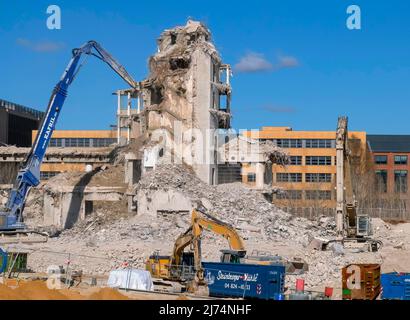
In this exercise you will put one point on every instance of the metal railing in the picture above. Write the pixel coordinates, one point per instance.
(394, 214)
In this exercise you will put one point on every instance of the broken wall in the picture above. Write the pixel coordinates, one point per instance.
(183, 92)
(63, 207)
(69, 197)
(8, 172)
(161, 202)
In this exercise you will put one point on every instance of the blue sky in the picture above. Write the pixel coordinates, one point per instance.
(314, 68)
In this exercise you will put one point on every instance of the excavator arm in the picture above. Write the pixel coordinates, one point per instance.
(346, 205)
(342, 169)
(170, 267)
(184, 240)
(210, 223)
(202, 220)
(350, 225)
(11, 218)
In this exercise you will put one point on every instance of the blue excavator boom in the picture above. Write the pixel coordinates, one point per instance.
(11, 217)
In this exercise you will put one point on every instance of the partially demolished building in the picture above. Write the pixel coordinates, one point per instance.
(184, 100)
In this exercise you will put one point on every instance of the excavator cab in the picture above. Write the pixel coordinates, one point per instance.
(351, 217)
(187, 268)
(232, 256)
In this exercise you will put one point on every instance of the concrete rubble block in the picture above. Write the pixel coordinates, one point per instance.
(337, 248)
(399, 245)
(156, 202)
(248, 227)
(317, 243)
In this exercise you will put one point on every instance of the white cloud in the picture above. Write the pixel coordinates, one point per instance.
(253, 62)
(256, 62)
(287, 62)
(40, 46)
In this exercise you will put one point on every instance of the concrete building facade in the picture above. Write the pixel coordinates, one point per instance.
(98, 142)
(310, 178)
(391, 167)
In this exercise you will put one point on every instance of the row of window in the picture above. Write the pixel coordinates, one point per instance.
(319, 143)
(82, 142)
(295, 160)
(308, 195)
(400, 181)
(305, 143)
(309, 177)
(318, 161)
(289, 177)
(383, 159)
(311, 160)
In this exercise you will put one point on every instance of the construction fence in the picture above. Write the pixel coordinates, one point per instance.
(312, 213)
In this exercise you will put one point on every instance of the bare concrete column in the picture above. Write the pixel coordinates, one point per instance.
(132, 164)
(118, 117)
(260, 173)
(129, 115)
(340, 192)
(132, 176)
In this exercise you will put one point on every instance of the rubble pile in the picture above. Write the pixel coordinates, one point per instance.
(108, 239)
(261, 224)
(233, 203)
(33, 207)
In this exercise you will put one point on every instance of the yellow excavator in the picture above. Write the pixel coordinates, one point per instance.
(187, 266)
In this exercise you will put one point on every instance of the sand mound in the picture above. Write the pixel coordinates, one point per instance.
(107, 294)
(38, 290)
(72, 294)
(7, 293)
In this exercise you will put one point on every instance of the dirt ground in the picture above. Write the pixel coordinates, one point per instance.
(38, 290)
(101, 256)
(111, 238)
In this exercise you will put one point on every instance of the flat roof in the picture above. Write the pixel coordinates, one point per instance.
(288, 133)
(18, 108)
(389, 143)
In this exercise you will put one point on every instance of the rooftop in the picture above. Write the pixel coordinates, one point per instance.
(389, 143)
(11, 106)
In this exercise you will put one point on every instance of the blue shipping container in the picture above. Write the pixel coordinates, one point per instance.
(245, 280)
(395, 286)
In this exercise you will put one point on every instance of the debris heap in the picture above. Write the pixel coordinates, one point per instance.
(233, 203)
